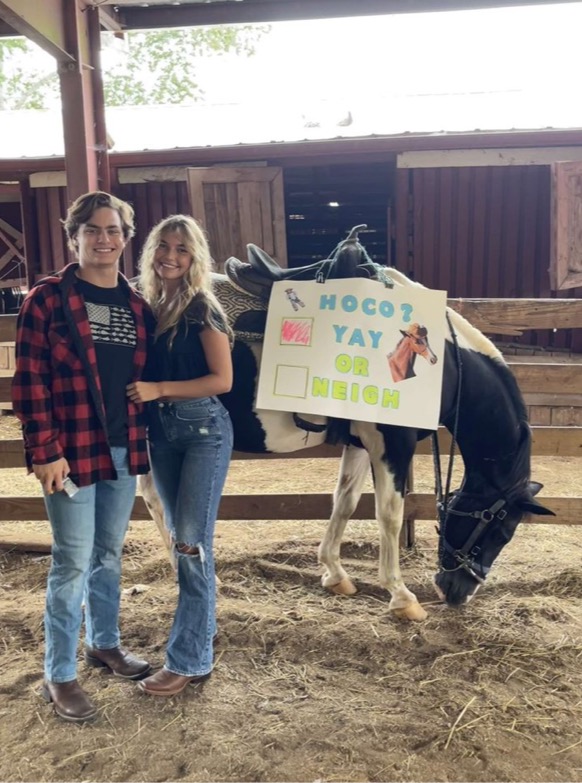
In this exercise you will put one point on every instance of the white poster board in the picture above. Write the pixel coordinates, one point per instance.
(354, 349)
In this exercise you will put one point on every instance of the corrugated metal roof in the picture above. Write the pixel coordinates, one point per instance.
(139, 128)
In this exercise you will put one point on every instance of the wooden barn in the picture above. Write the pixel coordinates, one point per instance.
(480, 214)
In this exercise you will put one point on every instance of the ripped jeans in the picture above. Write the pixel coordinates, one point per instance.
(190, 447)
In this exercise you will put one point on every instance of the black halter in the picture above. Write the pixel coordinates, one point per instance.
(466, 556)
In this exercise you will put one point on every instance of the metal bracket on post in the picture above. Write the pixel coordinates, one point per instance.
(69, 67)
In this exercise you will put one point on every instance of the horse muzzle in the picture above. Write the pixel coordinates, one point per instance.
(455, 588)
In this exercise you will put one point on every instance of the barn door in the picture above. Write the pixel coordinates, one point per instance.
(237, 206)
(566, 234)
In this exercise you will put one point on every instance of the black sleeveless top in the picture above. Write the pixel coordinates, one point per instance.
(184, 359)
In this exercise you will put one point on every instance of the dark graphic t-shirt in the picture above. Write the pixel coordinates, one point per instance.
(114, 336)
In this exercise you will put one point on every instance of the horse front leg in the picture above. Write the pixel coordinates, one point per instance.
(389, 514)
(354, 467)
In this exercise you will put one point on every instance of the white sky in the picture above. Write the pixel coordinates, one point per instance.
(531, 47)
(495, 69)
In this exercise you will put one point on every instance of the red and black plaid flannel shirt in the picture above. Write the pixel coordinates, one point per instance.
(56, 391)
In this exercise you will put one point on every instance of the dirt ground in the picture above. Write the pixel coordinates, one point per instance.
(309, 686)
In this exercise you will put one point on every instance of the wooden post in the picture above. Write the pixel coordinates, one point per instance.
(407, 534)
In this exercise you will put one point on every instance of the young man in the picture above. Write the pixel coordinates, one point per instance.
(81, 338)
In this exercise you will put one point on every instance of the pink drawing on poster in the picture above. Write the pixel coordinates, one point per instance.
(296, 331)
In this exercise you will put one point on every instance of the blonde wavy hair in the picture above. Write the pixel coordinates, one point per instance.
(195, 292)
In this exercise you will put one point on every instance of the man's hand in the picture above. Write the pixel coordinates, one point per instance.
(51, 474)
(142, 391)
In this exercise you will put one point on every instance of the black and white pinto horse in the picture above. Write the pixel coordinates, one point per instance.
(480, 404)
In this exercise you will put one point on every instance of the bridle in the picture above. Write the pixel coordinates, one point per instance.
(465, 556)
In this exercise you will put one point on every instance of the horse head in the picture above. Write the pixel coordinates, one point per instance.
(477, 521)
(418, 339)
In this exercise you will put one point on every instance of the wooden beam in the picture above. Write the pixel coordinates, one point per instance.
(490, 315)
(554, 400)
(78, 104)
(42, 22)
(547, 442)
(305, 506)
(7, 328)
(515, 316)
(548, 378)
(12, 247)
(98, 91)
(310, 152)
(6, 31)
(11, 453)
(29, 221)
(25, 545)
(14, 282)
(253, 11)
(109, 20)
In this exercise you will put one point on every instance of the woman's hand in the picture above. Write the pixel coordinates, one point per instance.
(142, 391)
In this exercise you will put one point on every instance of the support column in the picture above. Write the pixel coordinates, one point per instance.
(94, 17)
(69, 30)
(77, 95)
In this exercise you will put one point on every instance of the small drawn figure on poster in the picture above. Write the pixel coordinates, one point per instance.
(293, 297)
(413, 343)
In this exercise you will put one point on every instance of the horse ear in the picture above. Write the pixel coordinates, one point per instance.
(531, 506)
(403, 333)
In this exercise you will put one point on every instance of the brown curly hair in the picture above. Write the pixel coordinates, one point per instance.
(84, 206)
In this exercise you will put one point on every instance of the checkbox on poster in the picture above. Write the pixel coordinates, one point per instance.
(291, 381)
(296, 331)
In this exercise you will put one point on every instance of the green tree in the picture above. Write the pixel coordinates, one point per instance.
(22, 85)
(160, 66)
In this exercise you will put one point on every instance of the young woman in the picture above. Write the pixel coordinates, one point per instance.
(81, 338)
(190, 433)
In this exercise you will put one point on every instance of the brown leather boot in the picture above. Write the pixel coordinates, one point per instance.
(118, 661)
(69, 700)
(166, 683)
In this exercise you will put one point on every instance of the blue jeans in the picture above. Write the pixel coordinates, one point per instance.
(88, 533)
(190, 448)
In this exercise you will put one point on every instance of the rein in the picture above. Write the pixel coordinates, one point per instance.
(443, 498)
(467, 554)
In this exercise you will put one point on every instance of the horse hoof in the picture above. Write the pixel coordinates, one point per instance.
(411, 612)
(345, 587)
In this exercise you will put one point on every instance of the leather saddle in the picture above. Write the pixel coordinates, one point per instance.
(260, 272)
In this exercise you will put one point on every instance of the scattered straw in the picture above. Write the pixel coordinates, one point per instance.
(456, 723)
(563, 750)
(102, 750)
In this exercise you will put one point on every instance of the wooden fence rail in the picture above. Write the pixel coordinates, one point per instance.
(556, 381)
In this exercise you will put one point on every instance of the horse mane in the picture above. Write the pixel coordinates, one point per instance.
(396, 347)
(468, 335)
(514, 391)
